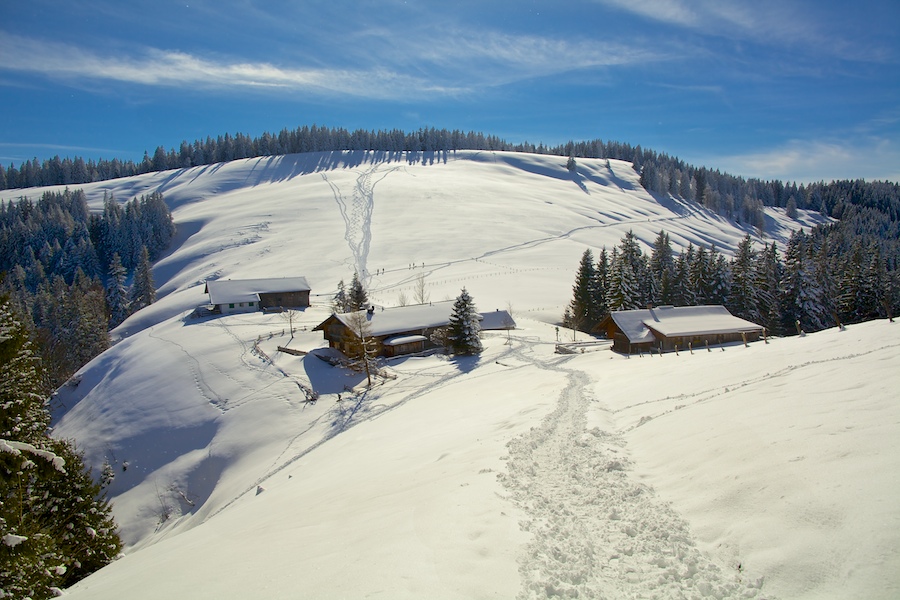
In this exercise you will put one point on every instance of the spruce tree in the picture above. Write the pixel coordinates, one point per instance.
(143, 292)
(340, 303)
(116, 292)
(801, 292)
(623, 292)
(719, 278)
(358, 299)
(463, 332)
(54, 526)
(601, 283)
(582, 308)
(744, 299)
(662, 269)
(769, 271)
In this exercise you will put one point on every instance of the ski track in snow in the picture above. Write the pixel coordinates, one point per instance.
(706, 395)
(595, 532)
(357, 213)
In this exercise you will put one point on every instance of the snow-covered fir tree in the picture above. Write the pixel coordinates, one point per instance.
(116, 291)
(55, 529)
(143, 292)
(463, 331)
(743, 301)
(801, 292)
(357, 298)
(600, 283)
(582, 310)
(769, 271)
(340, 303)
(623, 292)
(662, 270)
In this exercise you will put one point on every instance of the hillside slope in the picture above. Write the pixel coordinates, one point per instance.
(520, 471)
(510, 226)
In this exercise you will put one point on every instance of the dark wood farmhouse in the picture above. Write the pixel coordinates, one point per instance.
(666, 328)
(400, 330)
(249, 295)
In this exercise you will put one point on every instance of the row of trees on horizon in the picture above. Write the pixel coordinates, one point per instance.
(735, 197)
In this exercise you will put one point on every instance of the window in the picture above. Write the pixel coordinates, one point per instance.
(249, 304)
(231, 305)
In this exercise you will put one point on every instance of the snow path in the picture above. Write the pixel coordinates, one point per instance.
(597, 533)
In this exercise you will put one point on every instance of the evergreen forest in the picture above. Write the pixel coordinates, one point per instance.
(823, 278)
(55, 525)
(67, 271)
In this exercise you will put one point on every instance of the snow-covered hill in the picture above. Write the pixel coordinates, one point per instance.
(768, 471)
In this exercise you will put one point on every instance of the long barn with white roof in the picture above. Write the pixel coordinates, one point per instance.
(249, 295)
(667, 328)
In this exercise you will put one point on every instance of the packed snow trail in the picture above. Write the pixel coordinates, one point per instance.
(595, 532)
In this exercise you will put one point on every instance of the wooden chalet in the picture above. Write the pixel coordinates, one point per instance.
(248, 295)
(400, 330)
(667, 328)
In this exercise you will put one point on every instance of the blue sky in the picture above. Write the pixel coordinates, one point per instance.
(790, 89)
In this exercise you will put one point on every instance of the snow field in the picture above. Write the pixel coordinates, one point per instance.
(521, 472)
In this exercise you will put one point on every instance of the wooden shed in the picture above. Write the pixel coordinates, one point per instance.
(402, 329)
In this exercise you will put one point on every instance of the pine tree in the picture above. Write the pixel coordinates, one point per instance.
(358, 299)
(340, 303)
(143, 292)
(699, 277)
(55, 527)
(682, 294)
(768, 280)
(463, 332)
(622, 292)
(662, 270)
(582, 308)
(744, 299)
(116, 292)
(719, 278)
(801, 292)
(600, 284)
(632, 257)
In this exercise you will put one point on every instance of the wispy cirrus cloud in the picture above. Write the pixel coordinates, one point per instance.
(168, 68)
(442, 62)
(806, 27)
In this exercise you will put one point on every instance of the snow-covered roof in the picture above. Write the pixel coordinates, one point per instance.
(401, 319)
(223, 291)
(631, 322)
(680, 321)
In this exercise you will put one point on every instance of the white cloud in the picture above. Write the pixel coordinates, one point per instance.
(444, 62)
(806, 161)
(154, 67)
(809, 28)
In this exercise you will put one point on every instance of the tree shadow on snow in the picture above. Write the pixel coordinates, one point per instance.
(465, 364)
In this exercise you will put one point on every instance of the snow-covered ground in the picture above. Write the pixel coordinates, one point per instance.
(762, 471)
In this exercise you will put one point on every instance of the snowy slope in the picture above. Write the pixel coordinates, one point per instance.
(521, 471)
